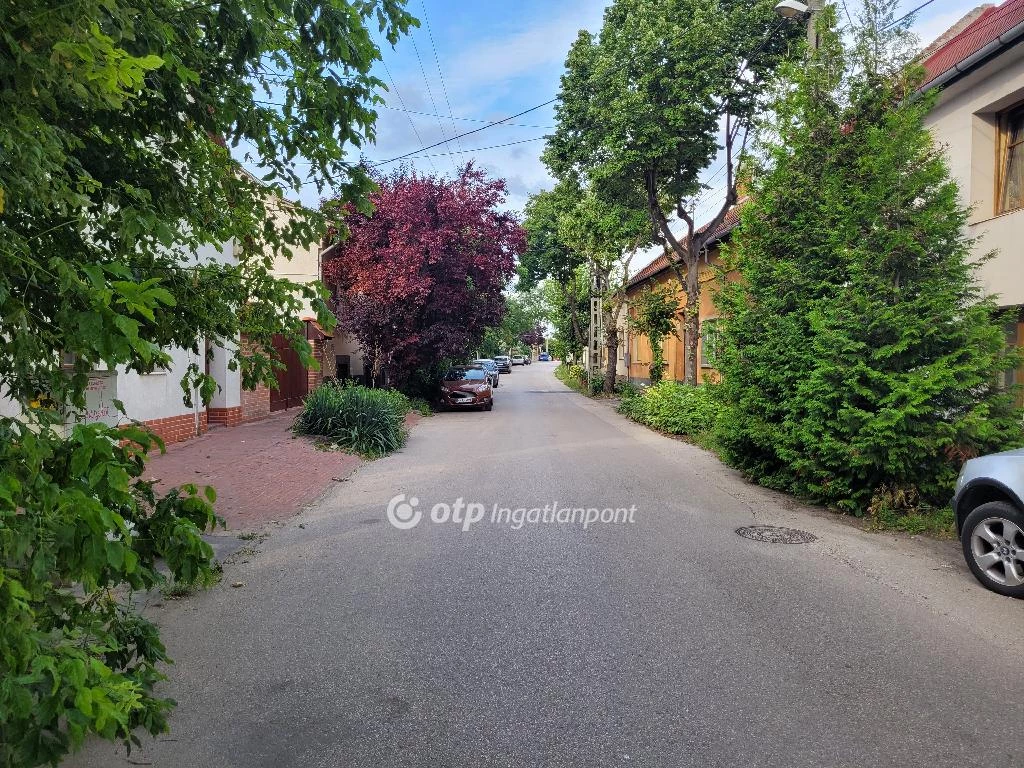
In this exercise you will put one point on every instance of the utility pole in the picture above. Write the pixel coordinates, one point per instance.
(814, 8)
(597, 287)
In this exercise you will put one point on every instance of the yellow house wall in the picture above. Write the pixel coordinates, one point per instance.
(675, 350)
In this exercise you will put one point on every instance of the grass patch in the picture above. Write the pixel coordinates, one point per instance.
(179, 590)
(901, 509)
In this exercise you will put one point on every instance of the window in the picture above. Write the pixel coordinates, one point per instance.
(342, 367)
(1011, 161)
(709, 342)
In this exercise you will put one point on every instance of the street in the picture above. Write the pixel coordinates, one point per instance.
(664, 640)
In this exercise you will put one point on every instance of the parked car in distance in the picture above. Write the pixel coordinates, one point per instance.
(990, 520)
(528, 358)
(504, 363)
(543, 357)
(518, 360)
(493, 375)
(467, 386)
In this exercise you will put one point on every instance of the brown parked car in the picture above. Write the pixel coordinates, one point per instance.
(467, 386)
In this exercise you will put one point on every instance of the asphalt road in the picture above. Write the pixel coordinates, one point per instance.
(665, 641)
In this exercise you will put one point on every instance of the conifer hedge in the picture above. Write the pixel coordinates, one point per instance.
(860, 357)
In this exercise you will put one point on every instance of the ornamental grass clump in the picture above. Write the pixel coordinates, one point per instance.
(369, 422)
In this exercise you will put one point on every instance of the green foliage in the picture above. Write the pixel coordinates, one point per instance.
(369, 422)
(525, 310)
(641, 112)
(901, 509)
(568, 311)
(858, 353)
(654, 316)
(547, 254)
(115, 118)
(77, 511)
(674, 407)
(627, 389)
(420, 406)
(574, 376)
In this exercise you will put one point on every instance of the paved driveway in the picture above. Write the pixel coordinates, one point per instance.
(666, 641)
(261, 471)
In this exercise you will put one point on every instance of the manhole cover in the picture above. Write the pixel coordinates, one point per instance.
(773, 534)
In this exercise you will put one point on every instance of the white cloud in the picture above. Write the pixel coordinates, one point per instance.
(532, 48)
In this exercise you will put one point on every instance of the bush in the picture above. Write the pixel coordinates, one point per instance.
(627, 389)
(574, 376)
(674, 407)
(366, 421)
(861, 359)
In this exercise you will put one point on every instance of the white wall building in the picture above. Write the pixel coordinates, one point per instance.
(978, 67)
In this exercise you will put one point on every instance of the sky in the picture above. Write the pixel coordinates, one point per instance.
(470, 63)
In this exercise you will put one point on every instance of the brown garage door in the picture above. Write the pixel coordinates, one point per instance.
(291, 381)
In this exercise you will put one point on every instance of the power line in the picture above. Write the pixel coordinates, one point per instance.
(402, 101)
(906, 15)
(467, 133)
(430, 95)
(478, 149)
(440, 74)
(393, 108)
(464, 119)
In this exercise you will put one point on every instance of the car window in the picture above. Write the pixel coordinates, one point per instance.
(470, 374)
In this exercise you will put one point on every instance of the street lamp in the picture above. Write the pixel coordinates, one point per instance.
(791, 9)
(795, 9)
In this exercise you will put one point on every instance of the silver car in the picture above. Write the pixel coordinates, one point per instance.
(990, 520)
(492, 370)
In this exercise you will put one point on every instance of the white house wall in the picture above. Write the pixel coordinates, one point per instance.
(964, 122)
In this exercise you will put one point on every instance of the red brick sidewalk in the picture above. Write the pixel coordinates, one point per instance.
(261, 472)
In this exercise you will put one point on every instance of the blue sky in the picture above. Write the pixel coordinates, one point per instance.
(497, 58)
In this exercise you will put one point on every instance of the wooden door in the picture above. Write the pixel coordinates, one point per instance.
(292, 383)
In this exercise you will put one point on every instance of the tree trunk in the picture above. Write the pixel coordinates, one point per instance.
(684, 254)
(692, 325)
(369, 364)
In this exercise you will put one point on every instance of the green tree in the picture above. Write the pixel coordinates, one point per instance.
(569, 228)
(665, 88)
(608, 234)
(549, 261)
(654, 316)
(568, 310)
(524, 311)
(115, 119)
(860, 359)
(547, 255)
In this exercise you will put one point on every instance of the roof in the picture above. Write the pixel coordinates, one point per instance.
(660, 264)
(989, 26)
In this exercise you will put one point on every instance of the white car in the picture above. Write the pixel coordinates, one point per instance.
(518, 360)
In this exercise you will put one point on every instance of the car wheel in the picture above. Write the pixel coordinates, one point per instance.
(993, 543)
(490, 404)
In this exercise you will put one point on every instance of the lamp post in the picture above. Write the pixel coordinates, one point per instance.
(809, 10)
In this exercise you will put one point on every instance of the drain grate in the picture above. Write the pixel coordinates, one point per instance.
(773, 534)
